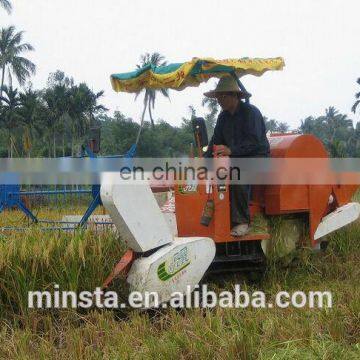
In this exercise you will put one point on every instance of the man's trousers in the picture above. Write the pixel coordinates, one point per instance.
(239, 204)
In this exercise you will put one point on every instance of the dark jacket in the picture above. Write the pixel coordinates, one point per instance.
(243, 132)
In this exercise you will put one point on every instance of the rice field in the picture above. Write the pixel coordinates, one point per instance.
(81, 260)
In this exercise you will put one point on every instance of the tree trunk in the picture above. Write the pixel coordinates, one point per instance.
(11, 147)
(54, 144)
(141, 124)
(8, 144)
(151, 118)
(72, 145)
(49, 144)
(63, 144)
(2, 81)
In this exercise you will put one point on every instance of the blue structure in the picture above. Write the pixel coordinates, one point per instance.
(96, 188)
(10, 195)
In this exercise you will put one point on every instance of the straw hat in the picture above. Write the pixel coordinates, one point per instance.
(226, 84)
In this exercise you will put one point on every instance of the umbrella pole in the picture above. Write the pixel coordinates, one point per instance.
(242, 87)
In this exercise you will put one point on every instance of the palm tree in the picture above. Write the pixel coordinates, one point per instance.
(55, 106)
(90, 102)
(211, 103)
(337, 149)
(150, 60)
(70, 110)
(210, 118)
(307, 125)
(11, 50)
(6, 4)
(271, 125)
(29, 112)
(335, 122)
(357, 97)
(83, 107)
(10, 116)
(283, 127)
(316, 126)
(61, 87)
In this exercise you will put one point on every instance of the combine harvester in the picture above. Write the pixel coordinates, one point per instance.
(166, 261)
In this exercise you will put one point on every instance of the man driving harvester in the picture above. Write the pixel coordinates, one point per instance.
(239, 132)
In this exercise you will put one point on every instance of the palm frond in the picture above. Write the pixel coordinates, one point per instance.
(146, 98)
(6, 4)
(4, 99)
(165, 92)
(152, 101)
(354, 107)
(22, 68)
(357, 96)
(15, 38)
(137, 94)
(23, 48)
(99, 94)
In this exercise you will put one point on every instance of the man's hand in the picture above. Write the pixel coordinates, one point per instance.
(221, 150)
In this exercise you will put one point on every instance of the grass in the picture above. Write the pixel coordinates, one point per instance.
(37, 260)
(81, 260)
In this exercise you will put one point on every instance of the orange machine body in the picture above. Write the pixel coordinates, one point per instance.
(266, 199)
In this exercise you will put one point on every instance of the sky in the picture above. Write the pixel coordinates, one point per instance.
(89, 40)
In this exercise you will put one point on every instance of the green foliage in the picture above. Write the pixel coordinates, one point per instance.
(276, 127)
(46, 122)
(56, 121)
(10, 118)
(336, 131)
(162, 140)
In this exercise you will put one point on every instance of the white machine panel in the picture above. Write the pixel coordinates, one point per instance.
(172, 268)
(136, 214)
(342, 216)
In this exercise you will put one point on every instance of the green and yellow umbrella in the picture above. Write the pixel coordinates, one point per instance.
(178, 76)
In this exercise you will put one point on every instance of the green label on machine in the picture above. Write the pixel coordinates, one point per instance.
(187, 189)
(178, 262)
